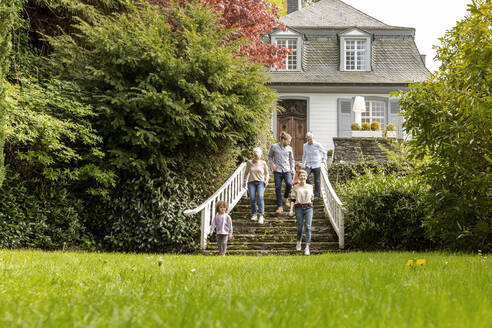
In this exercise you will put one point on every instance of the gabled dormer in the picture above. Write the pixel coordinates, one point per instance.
(355, 50)
(293, 40)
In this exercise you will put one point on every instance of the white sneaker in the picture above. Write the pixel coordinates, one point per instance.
(298, 246)
(306, 251)
(262, 219)
(253, 217)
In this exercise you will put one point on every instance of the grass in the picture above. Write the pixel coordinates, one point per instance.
(54, 289)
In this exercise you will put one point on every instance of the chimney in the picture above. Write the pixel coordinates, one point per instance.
(293, 5)
(423, 58)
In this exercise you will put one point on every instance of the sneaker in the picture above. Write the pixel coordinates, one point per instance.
(306, 251)
(286, 202)
(262, 219)
(253, 217)
(279, 210)
(298, 246)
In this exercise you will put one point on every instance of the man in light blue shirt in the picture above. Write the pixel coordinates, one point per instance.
(313, 156)
(281, 158)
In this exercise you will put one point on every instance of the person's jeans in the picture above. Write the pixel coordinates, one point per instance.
(256, 189)
(304, 215)
(317, 178)
(278, 177)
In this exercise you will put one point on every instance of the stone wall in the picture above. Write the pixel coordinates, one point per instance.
(361, 149)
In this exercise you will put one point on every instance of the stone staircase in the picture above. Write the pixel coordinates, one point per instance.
(278, 234)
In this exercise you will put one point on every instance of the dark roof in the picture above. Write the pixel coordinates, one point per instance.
(393, 61)
(331, 13)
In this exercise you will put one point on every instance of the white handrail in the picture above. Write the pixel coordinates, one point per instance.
(333, 206)
(231, 191)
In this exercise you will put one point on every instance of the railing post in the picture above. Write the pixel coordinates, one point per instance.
(203, 237)
(341, 240)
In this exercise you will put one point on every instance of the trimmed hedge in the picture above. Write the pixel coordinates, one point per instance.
(342, 172)
(385, 212)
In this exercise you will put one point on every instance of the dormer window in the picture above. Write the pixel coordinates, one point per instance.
(355, 50)
(291, 59)
(292, 40)
(355, 55)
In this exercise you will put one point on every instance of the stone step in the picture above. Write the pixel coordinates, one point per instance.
(242, 207)
(291, 237)
(257, 252)
(271, 200)
(232, 245)
(279, 223)
(246, 215)
(262, 230)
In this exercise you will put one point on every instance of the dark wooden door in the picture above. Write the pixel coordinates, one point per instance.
(293, 120)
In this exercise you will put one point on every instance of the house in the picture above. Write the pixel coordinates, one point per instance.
(338, 53)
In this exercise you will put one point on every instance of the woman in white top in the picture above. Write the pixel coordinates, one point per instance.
(257, 176)
(302, 200)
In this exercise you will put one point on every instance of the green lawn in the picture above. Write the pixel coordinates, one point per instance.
(54, 289)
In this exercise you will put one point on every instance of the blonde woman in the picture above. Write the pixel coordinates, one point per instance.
(302, 200)
(256, 176)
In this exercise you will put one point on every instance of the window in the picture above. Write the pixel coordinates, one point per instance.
(291, 60)
(374, 112)
(355, 55)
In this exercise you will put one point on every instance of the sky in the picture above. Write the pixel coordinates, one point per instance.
(430, 18)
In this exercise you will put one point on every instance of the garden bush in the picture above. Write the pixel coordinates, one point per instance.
(340, 173)
(385, 212)
(145, 215)
(28, 219)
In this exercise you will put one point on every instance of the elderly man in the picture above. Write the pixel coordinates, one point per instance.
(313, 156)
(281, 158)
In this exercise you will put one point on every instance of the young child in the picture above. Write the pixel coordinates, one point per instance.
(222, 222)
(296, 177)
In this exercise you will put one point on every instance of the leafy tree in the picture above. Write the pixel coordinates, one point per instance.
(249, 20)
(7, 12)
(163, 93)
(450, 118)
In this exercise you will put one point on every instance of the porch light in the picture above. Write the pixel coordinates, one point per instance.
(359, 107)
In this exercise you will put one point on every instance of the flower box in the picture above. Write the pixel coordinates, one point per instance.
(367, 134)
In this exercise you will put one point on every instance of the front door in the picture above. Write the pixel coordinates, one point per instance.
(293, 120)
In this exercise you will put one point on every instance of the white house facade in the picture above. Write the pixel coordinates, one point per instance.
(338, 53)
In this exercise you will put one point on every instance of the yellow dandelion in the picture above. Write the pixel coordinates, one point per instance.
(420, 262)
(133, 269)
(409, 262)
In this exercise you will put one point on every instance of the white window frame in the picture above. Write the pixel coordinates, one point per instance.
(289, 35)
(295, 53)
(355, 34)
(362, 52)
(381, 119)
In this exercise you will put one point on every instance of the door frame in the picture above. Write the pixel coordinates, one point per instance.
(308, 113)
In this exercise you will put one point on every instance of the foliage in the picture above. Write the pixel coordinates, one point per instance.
(30, 220)
(50, 138)
(7, 14)
(329, 153)
(384, 212)
(341, 173)
(450, 118)
(146, 216)
(249, 21)
(366, 126)
(375, 126)
(164, 93)
(355, 126)
(390, 127)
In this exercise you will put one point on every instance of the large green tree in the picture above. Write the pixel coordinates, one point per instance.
(450, 118)
(7, 12)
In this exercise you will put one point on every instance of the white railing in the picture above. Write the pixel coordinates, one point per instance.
(231, 192)
(333, 206)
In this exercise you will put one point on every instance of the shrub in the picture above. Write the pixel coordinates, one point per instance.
(390, 127)
(366, 126)
(329, 153)
(375, 126)
(145, 215)
(450, 119)
(341, 173)
(28, 219)
(355, 126)
(385, 212)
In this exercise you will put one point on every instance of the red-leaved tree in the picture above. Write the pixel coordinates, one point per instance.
(250, 20)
